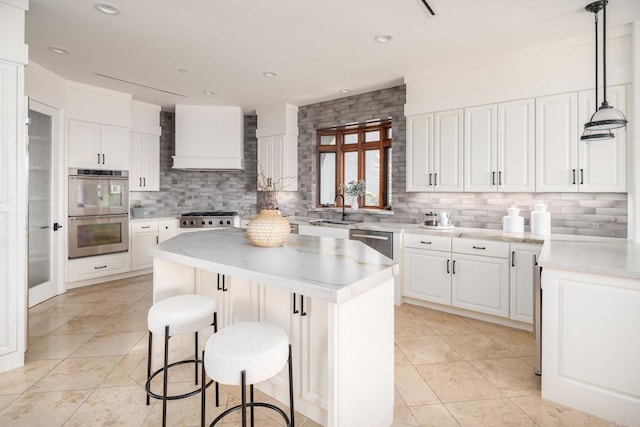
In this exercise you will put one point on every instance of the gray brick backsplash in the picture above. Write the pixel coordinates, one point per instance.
(595, 214)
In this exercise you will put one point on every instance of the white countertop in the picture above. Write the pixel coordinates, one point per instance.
(152, 218)
(334, 270)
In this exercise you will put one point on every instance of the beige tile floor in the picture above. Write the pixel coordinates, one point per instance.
(86, 366)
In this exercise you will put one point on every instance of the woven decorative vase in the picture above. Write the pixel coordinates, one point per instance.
(268, 229)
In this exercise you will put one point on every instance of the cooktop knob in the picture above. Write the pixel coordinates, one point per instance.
(221, 222)
(210, 222)
(228, 222)
(204, 222)
(184, 222)
(192, 222)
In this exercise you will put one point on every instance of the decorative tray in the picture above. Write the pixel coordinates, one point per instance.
(437, 227)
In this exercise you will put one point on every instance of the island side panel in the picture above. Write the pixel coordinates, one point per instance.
(361, 359)
(171, 279)
(591, 343)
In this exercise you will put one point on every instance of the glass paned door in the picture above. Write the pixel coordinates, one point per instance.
(42, 265)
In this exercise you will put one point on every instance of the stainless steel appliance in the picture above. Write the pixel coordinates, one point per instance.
(98, 212)
(98, 235)
(209, 220)
(537, 313)
(381, 241)
(98, 192)
(431, 219)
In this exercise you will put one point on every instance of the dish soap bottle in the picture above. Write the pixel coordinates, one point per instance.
(513, 222)
(540, 219)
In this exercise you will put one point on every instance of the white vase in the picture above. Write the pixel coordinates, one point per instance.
(354, 203)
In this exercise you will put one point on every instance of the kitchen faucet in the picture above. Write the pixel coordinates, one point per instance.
(344, 215)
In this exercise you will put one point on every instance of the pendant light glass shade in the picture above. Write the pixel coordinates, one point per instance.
(596, 135)
(606, 116)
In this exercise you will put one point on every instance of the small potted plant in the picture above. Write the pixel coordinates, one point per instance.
(354, 189)
(137, 211)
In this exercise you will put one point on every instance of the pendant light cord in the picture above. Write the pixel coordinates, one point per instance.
(595, 14)
(604, 53)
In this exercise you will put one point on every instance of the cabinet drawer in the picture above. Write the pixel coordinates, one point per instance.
(481, 247)
(426, 241)
(144, 227)
(92, 267)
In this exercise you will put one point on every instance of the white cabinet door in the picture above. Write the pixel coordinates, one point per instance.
(516, 146)
(151, 162)
(447, 150)
(278, 160)
(480, 284)
(314, 351)
(419, 153)
(240, 301)
(480, 146)
(557, 143)
(135, 170)
(167, 228)
(521, 281)
(427, 275)
(602, 163)
(140, 244)
(84, 145)
(114, 143)
(306, 322)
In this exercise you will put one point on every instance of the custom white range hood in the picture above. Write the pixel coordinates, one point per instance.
(209, 138)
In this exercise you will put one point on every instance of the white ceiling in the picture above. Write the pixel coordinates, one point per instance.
(316, 47)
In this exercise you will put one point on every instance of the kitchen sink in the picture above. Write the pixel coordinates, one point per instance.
(333, 222)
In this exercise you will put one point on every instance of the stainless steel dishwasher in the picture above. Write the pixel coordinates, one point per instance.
(381, 241)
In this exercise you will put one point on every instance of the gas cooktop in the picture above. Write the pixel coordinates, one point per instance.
(210, 219)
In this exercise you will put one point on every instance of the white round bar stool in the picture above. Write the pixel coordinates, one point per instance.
(181, 314)
(247, 353)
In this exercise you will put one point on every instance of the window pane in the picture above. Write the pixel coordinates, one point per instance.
(350, 166)
(351, 138)
(327, 140)
(327, 178)
(387, 154)
(372, 136)
(389, 133)
(372, 177)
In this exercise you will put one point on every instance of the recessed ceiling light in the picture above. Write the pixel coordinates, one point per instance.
(208, 92)
(383, 38)
(269, 74)
(59, 50)
(345, 90)
(107, 8)
(183, 70)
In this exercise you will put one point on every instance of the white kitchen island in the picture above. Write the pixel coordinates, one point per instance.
(334, 297)
(591, 326)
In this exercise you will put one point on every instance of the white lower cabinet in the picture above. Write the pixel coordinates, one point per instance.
(523, 258)
(306, 322)
(481, 284)
(167, 228)
(427, 275)
(146, 234)
(97, 266)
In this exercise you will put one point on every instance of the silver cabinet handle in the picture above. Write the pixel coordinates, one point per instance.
(367, 236)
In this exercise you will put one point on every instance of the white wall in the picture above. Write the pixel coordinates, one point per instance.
(633, 135)
(44, 86)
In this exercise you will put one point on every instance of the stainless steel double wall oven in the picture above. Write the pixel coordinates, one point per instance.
(98, 212)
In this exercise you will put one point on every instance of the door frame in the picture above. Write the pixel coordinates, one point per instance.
(58, 211)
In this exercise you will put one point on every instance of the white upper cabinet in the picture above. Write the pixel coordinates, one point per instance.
(144, 174)
(602, 164)
(277, 134)
(96, 146)
(564, 163)
(434, 152)
(480, 148)
(557, 143)
(516, 143)
(499, 147)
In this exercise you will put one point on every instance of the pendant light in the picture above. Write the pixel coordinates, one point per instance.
(606, 117)
(592, 134)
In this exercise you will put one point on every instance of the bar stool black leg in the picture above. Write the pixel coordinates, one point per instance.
(293, 423)
(251, 400)
(149, 361)
(203, 396)
(166, 376)
(195, 352)
(244, 398)
(215, 329)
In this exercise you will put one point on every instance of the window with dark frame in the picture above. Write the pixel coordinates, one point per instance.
(353, 153)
